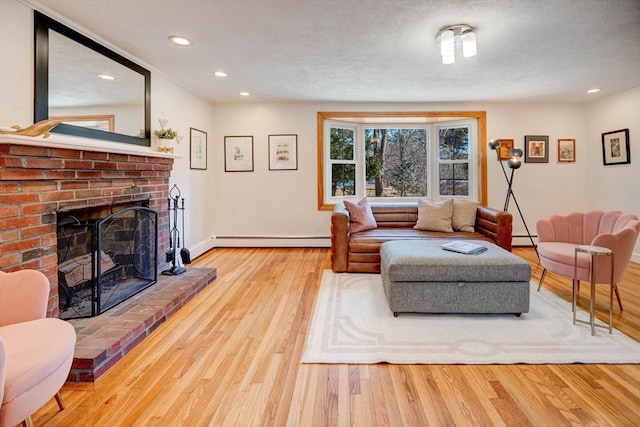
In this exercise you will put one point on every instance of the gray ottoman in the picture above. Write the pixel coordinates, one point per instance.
(419, 276)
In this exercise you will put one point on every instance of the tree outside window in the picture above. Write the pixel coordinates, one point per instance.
(396, 162)
(453, 159)
(343, 168)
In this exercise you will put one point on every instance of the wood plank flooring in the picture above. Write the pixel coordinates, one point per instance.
(231, 357)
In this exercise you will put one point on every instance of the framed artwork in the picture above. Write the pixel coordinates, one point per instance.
(506, 145)
(283, 152)
(238, 153)
(536, 149)
(197, 149)
(566, 150)
(615, 147)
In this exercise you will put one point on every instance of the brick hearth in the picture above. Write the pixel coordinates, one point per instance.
(105, 339)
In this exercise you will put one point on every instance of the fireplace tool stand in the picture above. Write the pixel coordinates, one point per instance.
(174, 234)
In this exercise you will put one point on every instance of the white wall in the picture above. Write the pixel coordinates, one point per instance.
(614, 186)
(183, 111)
(16, 71)
(284, 203)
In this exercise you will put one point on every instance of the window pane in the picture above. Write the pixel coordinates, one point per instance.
(341, 145)
(454, 144)
(396, 162)
(454, 179)
(343, 180)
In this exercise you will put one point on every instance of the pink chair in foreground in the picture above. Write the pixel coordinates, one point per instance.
(559, 235)
(35, 351)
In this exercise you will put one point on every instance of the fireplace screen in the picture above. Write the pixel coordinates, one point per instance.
(103, 263)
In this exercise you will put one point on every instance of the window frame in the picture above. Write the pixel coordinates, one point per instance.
(473, 152)
(383, 119)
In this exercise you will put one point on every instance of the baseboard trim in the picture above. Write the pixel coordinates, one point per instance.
(273, 241)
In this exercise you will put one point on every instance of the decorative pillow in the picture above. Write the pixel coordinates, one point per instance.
(434, 216)
(464, 215)
(362, 218)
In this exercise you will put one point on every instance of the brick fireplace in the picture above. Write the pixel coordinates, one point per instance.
(41, 180)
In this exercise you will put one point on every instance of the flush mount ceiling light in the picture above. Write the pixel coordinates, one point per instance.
(220, 74)
(245, 94)
(106, 77)
(180, 40)
(455, 37)
(594, 90)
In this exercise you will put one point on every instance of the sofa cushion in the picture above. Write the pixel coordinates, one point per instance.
(434, 216)
(360, 214)
(464, 215)
(369, 241)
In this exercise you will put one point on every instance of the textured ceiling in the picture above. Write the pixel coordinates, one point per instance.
(373, 50)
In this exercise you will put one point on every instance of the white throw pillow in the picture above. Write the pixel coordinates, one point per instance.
(434, 216)
(464, 215)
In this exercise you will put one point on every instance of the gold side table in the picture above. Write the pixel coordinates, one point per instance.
(595, 252)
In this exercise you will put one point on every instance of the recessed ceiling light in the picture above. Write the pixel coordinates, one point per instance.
(594, 90)
(220, 74)
(180, 40)
(244, 94)
(106, 77)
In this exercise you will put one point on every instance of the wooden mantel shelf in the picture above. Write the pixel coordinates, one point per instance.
(86, 144)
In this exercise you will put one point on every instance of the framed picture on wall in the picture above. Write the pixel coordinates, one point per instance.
(536, 149)
(238, 153)
(506, 145)
(197, 149)
(283, 152)
(566, 150)
(615, 147)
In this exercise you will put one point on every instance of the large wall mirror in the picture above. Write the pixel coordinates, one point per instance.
(77, 80)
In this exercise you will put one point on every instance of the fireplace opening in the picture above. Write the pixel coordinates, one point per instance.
(104, 260)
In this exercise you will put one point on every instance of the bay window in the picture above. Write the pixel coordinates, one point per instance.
(400, 157)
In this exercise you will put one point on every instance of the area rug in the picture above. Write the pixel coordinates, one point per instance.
(352, 323)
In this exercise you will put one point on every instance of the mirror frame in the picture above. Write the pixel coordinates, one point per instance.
(42, 25)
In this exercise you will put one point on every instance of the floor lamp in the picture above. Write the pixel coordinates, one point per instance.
(513, 163)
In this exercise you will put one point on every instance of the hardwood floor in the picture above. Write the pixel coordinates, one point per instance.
(231, 357)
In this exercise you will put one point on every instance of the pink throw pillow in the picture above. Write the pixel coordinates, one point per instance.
(362, 218)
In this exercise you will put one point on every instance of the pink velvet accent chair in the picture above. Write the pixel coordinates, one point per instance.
(559, 235)
(35, 351)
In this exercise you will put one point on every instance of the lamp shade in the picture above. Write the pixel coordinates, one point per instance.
(469, 44)
(514, 163)
(516, 152)
(447, 47)
(494, 144)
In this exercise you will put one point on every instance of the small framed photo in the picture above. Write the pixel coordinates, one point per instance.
(283, 152)
(197, 149)
(506, 145)
(536, 149)
(238, 153)
(615, 147)
(566, 150)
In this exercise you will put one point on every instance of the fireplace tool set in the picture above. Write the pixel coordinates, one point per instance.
(174, 236)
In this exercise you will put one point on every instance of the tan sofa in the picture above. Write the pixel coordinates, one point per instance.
(360, 252)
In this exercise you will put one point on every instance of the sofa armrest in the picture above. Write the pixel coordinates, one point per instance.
(495, 224)
(339, 238)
